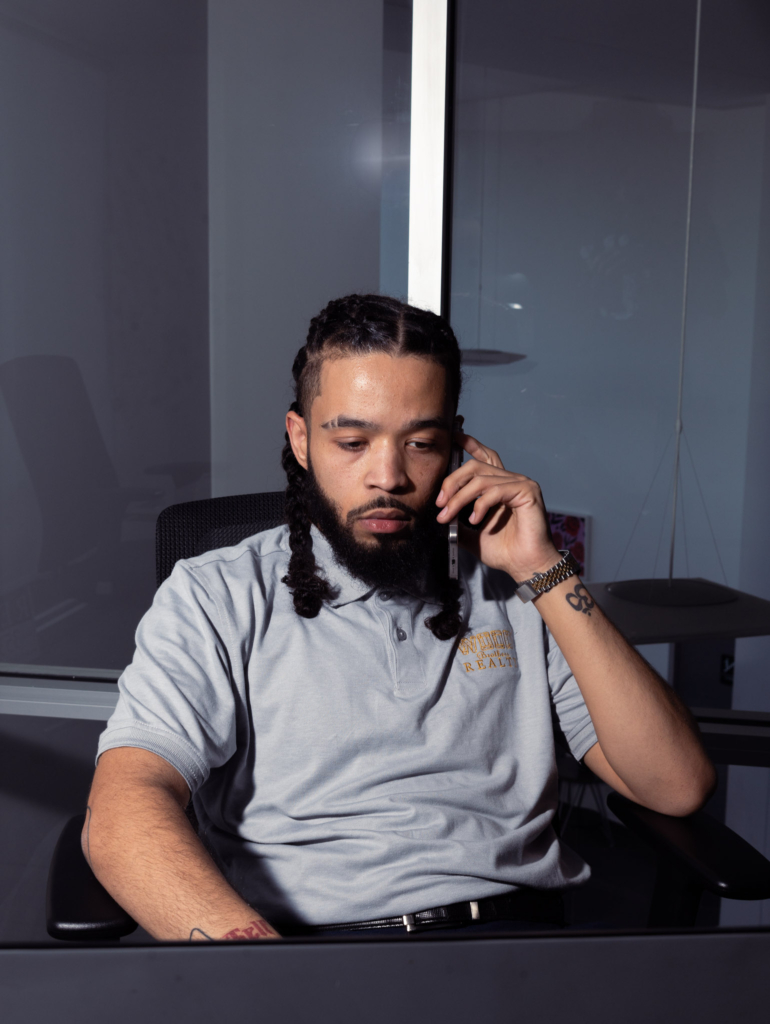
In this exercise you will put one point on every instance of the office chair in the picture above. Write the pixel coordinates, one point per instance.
(694, 853)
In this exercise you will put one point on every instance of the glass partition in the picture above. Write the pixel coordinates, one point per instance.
(572, 145)
(104, 315)
(573, 206)
(182, 186)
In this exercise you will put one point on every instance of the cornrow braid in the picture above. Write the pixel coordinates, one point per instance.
(361, 325)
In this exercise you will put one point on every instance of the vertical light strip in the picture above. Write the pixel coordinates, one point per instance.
(683, 338)
(426, 160)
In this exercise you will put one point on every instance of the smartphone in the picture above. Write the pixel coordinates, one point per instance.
(455, 462)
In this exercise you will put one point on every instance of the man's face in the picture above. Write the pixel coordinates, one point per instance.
(378, 443)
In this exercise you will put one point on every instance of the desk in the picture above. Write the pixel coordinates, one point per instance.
(646, 624)
(712, 978)
(703, 638)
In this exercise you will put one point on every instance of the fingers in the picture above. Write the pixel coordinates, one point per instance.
(460, 478)
(496, 496)
(459, 481)
(488, 489)
(479, 451)
(464, 495)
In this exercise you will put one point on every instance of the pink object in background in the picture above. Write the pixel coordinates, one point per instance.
(570, 533)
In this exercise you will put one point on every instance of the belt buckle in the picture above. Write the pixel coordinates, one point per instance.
(413, 925)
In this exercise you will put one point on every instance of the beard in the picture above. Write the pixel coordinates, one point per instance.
(410, 561)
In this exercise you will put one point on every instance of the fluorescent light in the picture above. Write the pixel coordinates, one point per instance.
(426, 166)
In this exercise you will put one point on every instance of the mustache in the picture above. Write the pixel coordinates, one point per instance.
(380, 503)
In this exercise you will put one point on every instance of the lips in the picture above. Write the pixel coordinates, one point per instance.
(384, 520)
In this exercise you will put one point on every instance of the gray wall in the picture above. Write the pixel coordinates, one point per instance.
(295, 108)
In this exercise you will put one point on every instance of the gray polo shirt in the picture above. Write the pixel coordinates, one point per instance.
(353, 766)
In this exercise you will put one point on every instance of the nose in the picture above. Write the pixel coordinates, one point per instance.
(387, 469)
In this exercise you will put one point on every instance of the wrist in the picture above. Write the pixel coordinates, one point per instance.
(544, 561)
(542, 582)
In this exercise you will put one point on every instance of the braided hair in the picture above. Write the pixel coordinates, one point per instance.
(360, 325)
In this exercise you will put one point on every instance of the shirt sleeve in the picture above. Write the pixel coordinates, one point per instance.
(571, 709)
(177, 697)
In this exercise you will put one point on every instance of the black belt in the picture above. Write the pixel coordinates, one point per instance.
(544, 906)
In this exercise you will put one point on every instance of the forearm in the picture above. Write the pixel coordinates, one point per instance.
(144, 851)
(647, 745)
(645, 733)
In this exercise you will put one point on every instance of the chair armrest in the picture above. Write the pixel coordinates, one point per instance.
(78, 907)
(715, 856)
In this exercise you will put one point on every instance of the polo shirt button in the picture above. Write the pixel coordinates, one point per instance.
(401, 634)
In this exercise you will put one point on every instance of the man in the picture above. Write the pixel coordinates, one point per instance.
(369, 743)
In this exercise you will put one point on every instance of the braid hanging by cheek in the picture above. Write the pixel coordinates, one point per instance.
(309, 590)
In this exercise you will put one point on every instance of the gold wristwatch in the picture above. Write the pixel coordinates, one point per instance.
(542, 582)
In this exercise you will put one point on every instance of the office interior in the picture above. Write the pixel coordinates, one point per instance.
(184, 184)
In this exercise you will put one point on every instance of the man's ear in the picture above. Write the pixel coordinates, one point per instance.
(298, 437)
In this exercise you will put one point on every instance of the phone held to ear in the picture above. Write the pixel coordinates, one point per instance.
(454, 552)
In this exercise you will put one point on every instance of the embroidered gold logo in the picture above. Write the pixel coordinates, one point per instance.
(493, 649)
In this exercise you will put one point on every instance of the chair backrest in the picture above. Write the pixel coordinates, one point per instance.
(194, 527)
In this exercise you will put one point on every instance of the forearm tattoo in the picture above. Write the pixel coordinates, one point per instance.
(581, 600)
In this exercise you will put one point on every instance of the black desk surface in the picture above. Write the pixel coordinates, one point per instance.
(645, 624)
(712, 978)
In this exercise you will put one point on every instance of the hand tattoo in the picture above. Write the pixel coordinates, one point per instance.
(581, 602)
(253, 930)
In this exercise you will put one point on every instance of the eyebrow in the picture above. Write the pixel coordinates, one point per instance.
(349, 421)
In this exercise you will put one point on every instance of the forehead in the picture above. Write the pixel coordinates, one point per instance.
(388, 384)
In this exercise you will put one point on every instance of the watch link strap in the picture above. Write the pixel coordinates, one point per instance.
(542, 582)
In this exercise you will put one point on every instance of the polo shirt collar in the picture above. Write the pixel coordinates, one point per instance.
(349, 588)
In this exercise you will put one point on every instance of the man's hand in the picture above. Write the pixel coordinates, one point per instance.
(514, 536)
(648, 747)
(257, 928)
